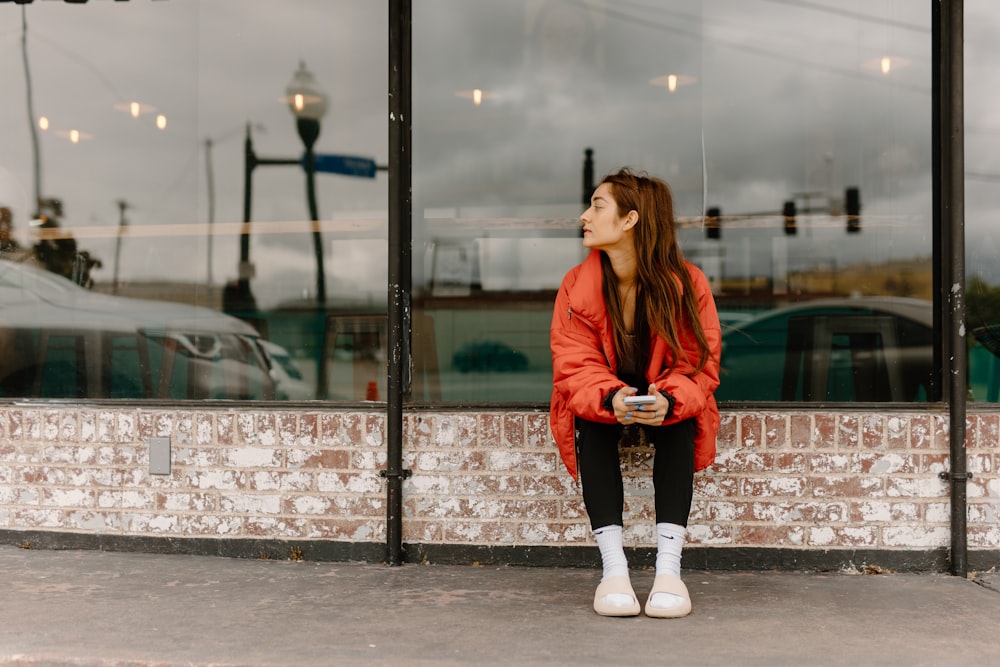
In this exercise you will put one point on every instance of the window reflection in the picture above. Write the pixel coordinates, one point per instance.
(122, 191)
(982, 244)
(804, 127)
(796, 139)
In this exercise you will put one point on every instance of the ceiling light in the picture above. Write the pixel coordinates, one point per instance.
(477, 95)
(135, 109)
(672, 81)
(885, 64)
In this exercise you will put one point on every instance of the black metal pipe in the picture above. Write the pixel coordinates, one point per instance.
(400, 250)
(249, 164)
(949, 190)
(309, 132)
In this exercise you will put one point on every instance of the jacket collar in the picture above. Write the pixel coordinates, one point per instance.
(586, 297)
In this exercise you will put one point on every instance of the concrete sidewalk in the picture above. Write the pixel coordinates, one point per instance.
(126, 609)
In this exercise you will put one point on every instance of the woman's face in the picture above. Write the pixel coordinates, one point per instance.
(604, 226)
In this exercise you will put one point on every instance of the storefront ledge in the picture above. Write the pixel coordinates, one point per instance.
(861, 561)
(264, 549)
(867, 561)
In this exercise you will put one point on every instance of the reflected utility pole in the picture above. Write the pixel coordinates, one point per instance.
(210, 185)
(210, 177)
(36, 157)
(122, 224)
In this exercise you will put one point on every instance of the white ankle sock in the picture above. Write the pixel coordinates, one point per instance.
(669, 543)
(609, 541)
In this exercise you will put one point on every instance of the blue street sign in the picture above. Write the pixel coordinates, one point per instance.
(348, 165)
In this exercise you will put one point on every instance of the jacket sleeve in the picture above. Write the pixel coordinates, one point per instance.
(692, 391)
(581, 370)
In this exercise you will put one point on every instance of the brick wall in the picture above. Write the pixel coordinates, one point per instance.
(845, 480)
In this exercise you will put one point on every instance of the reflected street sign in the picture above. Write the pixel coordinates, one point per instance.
(347, 165)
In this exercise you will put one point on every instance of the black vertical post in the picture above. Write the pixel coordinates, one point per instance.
(588, 176)
(309, 132)
(400, 248)
(588, 180)
(249, 164)
(949, 226)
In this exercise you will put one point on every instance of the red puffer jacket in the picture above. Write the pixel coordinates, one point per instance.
(584, 364)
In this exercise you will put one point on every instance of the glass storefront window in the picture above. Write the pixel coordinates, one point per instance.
(797, 141)
(123, 267)
(982, 174)
(796, 137)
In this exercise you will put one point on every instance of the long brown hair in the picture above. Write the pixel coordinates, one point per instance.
(661, 304)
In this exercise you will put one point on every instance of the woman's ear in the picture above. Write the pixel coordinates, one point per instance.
(631, 219)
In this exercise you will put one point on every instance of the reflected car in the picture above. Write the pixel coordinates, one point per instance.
(59, 340)
(865, 349)
(289, 385)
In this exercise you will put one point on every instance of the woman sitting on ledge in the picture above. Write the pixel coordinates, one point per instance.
(635, 315)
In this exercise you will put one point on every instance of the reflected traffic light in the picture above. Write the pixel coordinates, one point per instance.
(788, 212)
(852, 208)
(713, 223)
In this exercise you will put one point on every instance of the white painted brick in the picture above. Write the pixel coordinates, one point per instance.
(161, 524)
(374, 460)
(937, 513)
(69, 498)
(502, 491)
(822, 536)
(92, 522)
(916, 536)
(888, 464)
(203, 432)
(214, 479)
(430, 484)
(250, 504)
(888, 512)
(986, 538)
(369, 532)
(305, 505)
(365, 482)
(88, 427)
(924, 487)
(253, 457)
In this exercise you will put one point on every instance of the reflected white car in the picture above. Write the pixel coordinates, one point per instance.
(289, 385)
(59, 340)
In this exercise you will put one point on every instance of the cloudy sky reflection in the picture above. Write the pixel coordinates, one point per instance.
(773, 99)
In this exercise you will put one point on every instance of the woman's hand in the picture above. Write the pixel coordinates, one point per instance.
(652, 414)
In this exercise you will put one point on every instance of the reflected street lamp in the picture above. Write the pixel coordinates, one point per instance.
(308, 103)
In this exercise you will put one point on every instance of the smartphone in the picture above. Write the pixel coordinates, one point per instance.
(636, 399)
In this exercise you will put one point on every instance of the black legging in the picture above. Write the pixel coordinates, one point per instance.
(599, 464)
